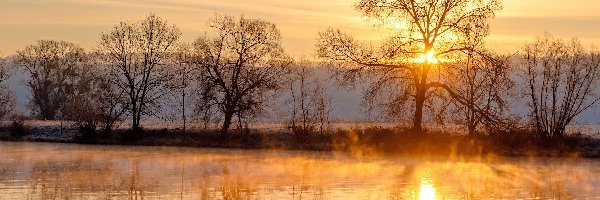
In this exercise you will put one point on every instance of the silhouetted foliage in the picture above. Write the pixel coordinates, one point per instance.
(239, 66)
(562, 78)
(137, 54)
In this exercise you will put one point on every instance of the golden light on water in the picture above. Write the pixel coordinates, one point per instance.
(64, 171)
(426, 190)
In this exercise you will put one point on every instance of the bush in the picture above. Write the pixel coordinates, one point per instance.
(17, 128)
(301, 132)
(131, 136)
(88, 133)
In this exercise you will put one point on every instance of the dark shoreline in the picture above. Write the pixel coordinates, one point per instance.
(367, 141)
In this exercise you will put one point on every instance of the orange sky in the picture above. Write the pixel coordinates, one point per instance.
(81, 21)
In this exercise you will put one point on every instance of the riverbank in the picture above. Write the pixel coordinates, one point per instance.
(361, 141)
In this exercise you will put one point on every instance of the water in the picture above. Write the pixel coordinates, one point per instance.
(68, 171)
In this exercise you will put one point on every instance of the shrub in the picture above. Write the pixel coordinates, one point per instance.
(18, 128)
(88, 132)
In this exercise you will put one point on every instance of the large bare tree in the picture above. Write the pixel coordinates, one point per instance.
(563, 80)
(54, 68)
(432, 33)
(239, 66)
(137, 53)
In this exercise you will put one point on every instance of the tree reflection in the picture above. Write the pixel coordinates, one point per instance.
(426, 189)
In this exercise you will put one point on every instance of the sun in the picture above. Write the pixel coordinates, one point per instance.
(428, 58)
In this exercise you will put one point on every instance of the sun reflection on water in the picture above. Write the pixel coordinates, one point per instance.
(426, 189)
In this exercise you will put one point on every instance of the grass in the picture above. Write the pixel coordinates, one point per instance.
(369, 140)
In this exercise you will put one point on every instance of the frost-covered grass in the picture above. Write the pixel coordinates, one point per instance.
(52, 128)
(354, 137)
(592, 130)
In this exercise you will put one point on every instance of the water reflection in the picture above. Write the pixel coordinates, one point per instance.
(64, 171)
(426, 189)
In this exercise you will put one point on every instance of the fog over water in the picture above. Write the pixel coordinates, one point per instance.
(67, 171)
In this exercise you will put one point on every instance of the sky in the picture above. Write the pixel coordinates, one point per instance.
(22, 22)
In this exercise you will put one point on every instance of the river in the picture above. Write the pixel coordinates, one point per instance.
(72, 171)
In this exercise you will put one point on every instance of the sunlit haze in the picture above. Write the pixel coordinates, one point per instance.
(22, 22)
(299, 99)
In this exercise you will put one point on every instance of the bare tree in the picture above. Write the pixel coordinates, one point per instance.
(111, 102)
(137, 53)
(481, 79)
(98, 102)
(7, 97)
(323, 106)
(54, 68)
(239, 66)
(310, 104)
(433, 34)
(562, 79)
(299, 91)
(182, 84)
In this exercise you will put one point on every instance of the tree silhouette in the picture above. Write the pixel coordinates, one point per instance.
(482, 79)
(137, 53)
(562, 79)
(98, 101)
(310, 103)
(434, 34)
(54, 68)
(239, 66)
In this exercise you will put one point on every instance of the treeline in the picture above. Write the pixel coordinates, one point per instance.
(136, 65)
(435, 69)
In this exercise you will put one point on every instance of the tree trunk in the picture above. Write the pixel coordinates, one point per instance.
(135, 124)
(421, 89)
(471, 127)
(226, 123)
(138, 125)
(418, 118)
(184, 83)
(559, 132)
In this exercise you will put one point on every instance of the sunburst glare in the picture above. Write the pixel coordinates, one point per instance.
(428, 58)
